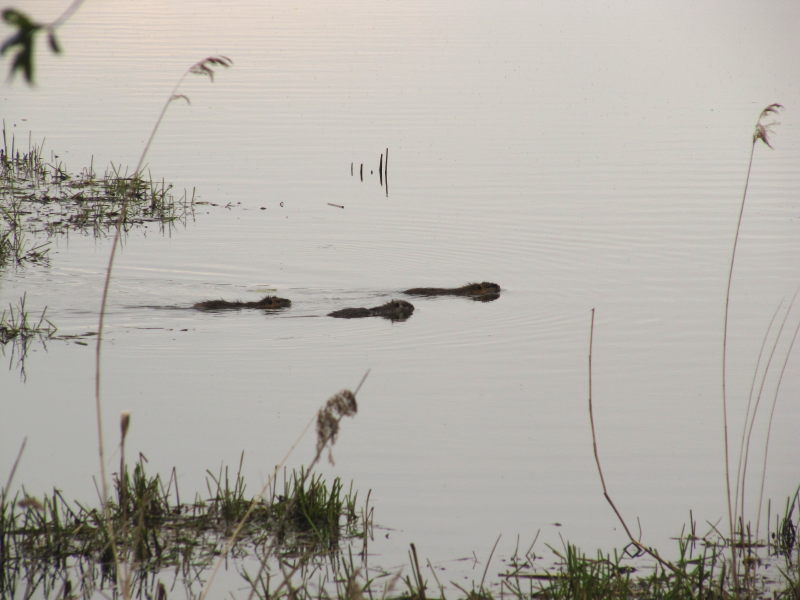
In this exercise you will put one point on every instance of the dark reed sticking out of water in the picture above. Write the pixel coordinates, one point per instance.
(383, 171)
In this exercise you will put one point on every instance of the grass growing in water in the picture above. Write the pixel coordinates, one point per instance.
(309, 507)
(15, 324)
(41, 199)
(761, 132)
(53, 537)
(19, 330)
(301, 541)
(44, 199)
(739, 575)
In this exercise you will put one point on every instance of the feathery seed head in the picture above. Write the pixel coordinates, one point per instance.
(763, 128)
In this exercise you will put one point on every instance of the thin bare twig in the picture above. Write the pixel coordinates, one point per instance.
(641, 547)
(63, 17)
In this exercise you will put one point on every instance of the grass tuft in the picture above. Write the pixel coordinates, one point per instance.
(18, 329)
(43, 199)
(51, 538)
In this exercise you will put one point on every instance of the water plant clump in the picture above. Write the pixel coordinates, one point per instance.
(42, 198)
(51, 537)
(310, 509)
(15, 324)
(18, 330)
(17, 167)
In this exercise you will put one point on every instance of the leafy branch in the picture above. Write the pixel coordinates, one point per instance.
(22, 42)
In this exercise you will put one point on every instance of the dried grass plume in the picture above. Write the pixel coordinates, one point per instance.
(336, 408)
(764, 128)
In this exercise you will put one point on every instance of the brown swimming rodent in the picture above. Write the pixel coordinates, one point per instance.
(486, 291)
(394, 310)
(267, 302)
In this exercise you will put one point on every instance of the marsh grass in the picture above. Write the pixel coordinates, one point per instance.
(606, 575)
(16, 324)
(762, 132)
(43, 199)
(40, 200)
(49, 544)
(14, 246)
(783, 539)
(312, 509)
(18, 329)
(702, 571)
(706, 573)
(51, 537)
(742, 574)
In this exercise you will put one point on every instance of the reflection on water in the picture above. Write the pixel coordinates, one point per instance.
(581, 158)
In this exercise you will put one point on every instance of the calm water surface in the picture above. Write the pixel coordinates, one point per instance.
(580, 154)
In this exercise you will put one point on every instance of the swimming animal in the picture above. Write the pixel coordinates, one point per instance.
(267, 303)
(394, 310)
(486, 291)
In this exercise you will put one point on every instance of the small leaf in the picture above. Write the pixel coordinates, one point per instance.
(180, 97)
(54, 45)
(23, 61)
(17, 18)
(22, 41)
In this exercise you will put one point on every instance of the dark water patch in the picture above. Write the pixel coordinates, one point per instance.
(50, 543)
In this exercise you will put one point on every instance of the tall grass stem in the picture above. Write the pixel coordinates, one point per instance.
(726, 442)
(771, 420)
(201, 67)
(762, 132)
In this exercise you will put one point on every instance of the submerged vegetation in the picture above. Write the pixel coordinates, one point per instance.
(42, 199)
(50, 540)
(699, 571)
(15, 326)
(53, 546)
(309, 539)
(19, 330)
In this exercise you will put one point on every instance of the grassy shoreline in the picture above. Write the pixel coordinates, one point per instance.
(310, 539)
